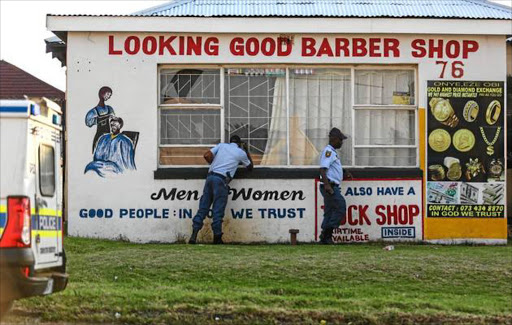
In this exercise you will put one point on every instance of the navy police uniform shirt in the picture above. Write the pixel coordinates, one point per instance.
(227, 156)
(330, 160)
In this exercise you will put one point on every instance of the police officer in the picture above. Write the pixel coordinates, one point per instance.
(224, 159)
(331, 174)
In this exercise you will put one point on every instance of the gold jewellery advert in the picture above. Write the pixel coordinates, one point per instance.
(466, 149)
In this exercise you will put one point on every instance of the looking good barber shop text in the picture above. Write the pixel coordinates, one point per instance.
(174, 45)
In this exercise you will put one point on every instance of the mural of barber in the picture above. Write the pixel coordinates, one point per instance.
(113, 150)
(100, 115)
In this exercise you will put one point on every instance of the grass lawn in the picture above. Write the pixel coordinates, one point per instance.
(125, 283)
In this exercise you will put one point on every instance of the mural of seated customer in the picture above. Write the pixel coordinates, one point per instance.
(115, 151)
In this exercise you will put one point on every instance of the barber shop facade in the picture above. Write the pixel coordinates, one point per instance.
(422, 102)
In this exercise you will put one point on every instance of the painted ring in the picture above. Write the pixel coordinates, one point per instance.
(493, 112)
(471, 111)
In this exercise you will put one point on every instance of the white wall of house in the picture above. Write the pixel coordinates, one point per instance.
(134, 81)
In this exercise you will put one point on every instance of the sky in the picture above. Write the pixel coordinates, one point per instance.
(23, 30)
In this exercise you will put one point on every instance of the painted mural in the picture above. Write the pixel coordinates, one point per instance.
(113, 150)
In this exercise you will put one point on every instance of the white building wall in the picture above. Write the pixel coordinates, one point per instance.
(133, 79)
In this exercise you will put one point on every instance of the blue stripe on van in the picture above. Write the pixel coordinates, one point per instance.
(3, 219)
(3, 222)
(39, 222)
(13, 109)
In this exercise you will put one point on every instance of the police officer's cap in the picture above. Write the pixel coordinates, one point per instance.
(335, 132)
(235, 139)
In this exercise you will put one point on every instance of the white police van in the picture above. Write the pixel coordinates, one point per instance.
(32, 260)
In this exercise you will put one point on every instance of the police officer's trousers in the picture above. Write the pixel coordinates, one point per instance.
(215, 191)
(335, 208)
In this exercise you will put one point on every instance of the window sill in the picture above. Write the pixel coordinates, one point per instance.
(289, 173)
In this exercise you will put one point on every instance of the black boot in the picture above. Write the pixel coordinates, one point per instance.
(193, 237)
(217, 239)
(326, 236)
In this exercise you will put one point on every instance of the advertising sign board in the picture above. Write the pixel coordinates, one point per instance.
(466, 152)
(388, 210)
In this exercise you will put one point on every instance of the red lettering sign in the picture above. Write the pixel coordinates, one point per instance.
(325, 48)
(308, 46)
(236, 47)
(359, 47)
(468, 47)
(341, 44)
(149, 45)
(372, 47)
(111, 50)
(439, 49)
(396, 214)
(391, 46)
(419, 50)
(211, 46)
(165, 44)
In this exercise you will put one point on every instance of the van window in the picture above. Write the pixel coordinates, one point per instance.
(46, 170)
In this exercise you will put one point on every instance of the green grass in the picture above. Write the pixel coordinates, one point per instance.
(277, 284)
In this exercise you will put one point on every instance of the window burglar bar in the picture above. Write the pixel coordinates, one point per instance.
(190, 128)
(249, 106)
(190, 86)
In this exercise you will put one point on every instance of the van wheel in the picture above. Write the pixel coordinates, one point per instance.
(4, 308)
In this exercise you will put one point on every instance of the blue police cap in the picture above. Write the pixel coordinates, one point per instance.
(335, 132)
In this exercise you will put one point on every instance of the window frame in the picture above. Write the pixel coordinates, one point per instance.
(287, 67)
(366, 107)
(180, 106)
(287, 97)
(195, 105)
(51, 147)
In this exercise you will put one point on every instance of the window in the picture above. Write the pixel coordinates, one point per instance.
(285, 113)
(190, 86)
(46, 170)
(384, 87)
(320, 99)
(385, 118)
(190, 126)
(255, 110)
(190, 114)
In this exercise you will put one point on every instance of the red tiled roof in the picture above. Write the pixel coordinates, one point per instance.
(16, 83)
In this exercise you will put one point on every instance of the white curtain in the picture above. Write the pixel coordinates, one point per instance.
(319, 102)
(276, 149)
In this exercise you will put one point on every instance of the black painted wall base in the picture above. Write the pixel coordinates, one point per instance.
(289, 173)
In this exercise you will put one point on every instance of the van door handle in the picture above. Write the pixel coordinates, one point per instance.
(41, 202)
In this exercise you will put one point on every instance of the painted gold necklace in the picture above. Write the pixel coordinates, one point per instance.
(490, 145)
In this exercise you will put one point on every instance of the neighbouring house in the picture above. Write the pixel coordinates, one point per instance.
(16, 83)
